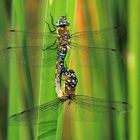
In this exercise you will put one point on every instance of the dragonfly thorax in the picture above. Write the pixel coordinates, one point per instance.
(63, 36)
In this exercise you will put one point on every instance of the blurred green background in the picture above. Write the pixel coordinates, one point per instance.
(22, 87)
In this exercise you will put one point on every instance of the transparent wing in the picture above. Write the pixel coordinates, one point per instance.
(44, 110)
(47, 134)
(91, 46)
(95, 56)
(95, 109)
(101, 104)
(98, 37)
(28, 56)
(28, 48)
(47, 129)
(30, 38)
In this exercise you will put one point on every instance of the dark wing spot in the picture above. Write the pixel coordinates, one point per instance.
(8, 48)
(124, 103)
(113, 108)
(12, 30)
(113, 49)
(22, 112)
(13, 115)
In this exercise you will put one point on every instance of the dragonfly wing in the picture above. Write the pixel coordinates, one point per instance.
(30, 38)
(91, 46)
(28, 56)
(44, 110)
(47, 129)
(101, 104)
(95, 56)
(98, 37)
(48, 134)
(95, 109)
(28, 48)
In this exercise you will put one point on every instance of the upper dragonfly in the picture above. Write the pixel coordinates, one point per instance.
(91, 44)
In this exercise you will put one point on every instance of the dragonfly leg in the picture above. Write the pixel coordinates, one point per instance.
(53, 25)
(52, 22)
(51, 31)
(49, 47)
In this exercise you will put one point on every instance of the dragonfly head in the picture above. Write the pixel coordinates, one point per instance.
(62, 22)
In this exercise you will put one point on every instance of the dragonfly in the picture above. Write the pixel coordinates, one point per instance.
(34, 45)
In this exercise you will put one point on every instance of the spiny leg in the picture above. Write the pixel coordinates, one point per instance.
(49, 47)
(52, 22)
(51, 31)
(54, 27)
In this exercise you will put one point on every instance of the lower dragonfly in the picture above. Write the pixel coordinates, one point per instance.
(93, 108)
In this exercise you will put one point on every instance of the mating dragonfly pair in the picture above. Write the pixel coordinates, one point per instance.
(33, 42)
